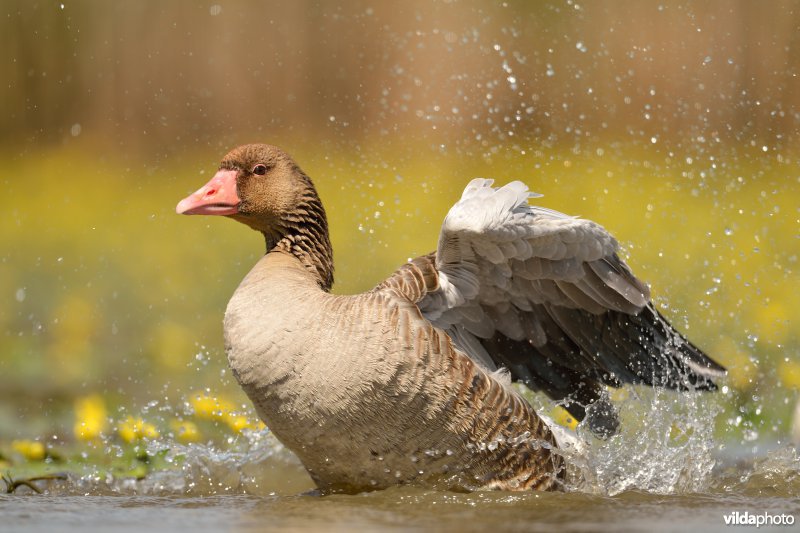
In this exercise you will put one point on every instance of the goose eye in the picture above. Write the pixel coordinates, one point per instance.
(260, 169)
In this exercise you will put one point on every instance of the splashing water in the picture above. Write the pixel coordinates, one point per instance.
(252, 466)
(652, 474)
(253, 463)
(665, 445)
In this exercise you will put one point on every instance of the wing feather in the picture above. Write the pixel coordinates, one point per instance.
(547, 296)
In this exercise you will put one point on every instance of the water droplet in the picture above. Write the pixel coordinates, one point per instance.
(20, 294)
(750, 435)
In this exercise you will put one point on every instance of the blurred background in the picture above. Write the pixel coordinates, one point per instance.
(673, 124)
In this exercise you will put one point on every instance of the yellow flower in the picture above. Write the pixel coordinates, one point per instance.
(29, 449)
(562, 417)
(742, 371)
(185, 431)
(210, 407)
(239, 422)
(91, 417)
(789, 372)
(132, 429)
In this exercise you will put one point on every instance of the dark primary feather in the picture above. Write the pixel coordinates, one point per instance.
(585, 351)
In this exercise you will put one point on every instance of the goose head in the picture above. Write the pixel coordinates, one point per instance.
(261, 186)
(257, 184)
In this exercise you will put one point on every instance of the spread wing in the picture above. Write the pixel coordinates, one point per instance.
(546, 296)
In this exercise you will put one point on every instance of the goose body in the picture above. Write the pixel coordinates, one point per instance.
(367, 408)
(405, 383)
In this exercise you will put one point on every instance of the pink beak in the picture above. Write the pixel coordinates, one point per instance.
(217, 197)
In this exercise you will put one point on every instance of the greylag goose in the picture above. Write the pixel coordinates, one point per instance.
(409, 382)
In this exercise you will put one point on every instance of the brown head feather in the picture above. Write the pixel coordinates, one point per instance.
(283, 204)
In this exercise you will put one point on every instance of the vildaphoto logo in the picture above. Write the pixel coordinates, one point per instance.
(738, 518)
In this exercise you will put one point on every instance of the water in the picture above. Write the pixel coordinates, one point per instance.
(664, 472)
(772, 489)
